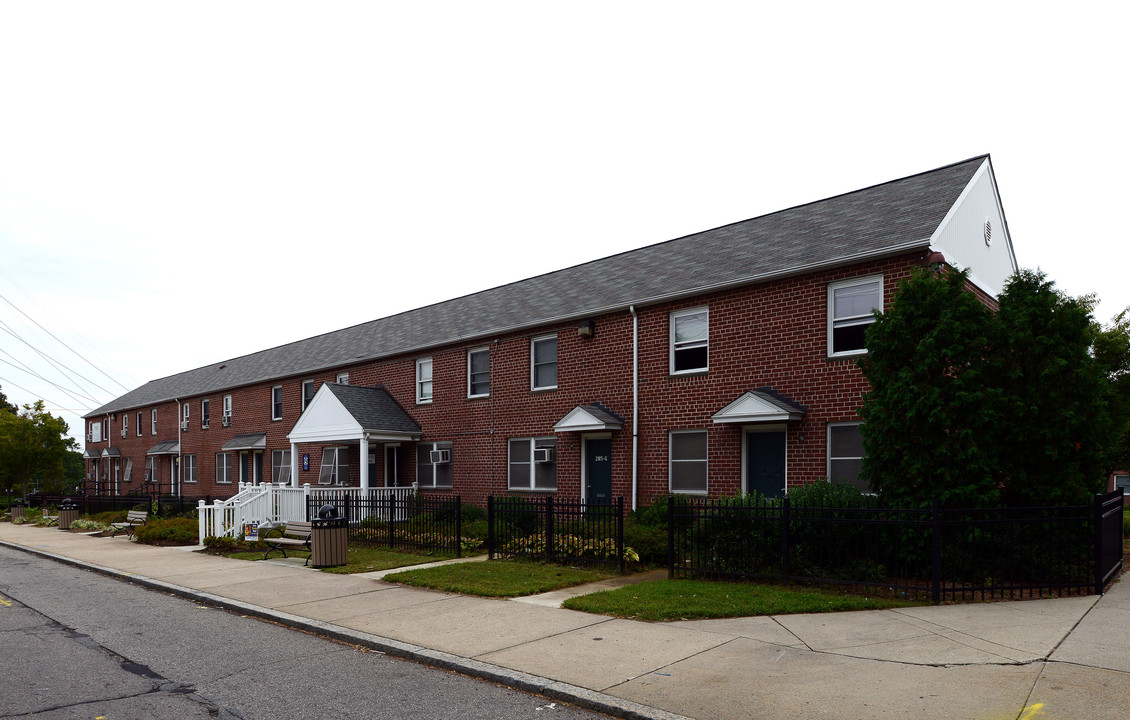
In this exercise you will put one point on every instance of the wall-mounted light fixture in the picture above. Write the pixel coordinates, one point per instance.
(586, 328)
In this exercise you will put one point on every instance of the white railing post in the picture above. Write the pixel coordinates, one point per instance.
(201, 515)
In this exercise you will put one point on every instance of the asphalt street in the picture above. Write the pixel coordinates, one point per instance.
(76, 644)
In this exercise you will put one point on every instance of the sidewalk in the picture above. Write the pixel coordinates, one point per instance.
(1060, 658)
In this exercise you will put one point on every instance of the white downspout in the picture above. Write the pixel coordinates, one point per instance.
(635, 404)
(179, 415)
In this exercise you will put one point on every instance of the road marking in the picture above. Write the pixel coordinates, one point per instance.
(4, 602)
(1031, 711)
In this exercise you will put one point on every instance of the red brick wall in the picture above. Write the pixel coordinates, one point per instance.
(772, 334)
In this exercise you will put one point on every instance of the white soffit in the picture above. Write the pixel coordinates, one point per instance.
(325, 418)
(756, 407)
(582, 419)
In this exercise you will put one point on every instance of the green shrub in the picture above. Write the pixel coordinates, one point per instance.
(171, 531)
(649, 541)
(828, 494)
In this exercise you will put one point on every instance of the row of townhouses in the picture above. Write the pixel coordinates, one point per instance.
(715, 363)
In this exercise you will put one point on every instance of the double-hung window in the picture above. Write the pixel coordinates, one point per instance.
(850, 306)
(845, 455)
(125, 424)
(127, 476)
(478, 372)
(151, 469)
(224, 468)
(1122, 482)
(343, 378)
(433, 464)
(186, 413)
(690, 340)
(225, 420)
(139, 424)
(307, 393)
(188, 468)
(335, 466)
(424, 380)
(204, 414)
(280, 466)
(688, 464)
(154, 423)
(532, 464)
(543, 363)
(276, 402)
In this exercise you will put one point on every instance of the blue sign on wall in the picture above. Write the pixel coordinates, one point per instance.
(305, 461)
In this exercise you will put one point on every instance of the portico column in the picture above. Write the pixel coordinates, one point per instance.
(364, 462)
(294, 464)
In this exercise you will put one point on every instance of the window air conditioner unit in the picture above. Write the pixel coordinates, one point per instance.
(545, 455)
(226, 421)
(184, 425)
(440, 457)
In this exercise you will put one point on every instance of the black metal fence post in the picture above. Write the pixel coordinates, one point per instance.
(620, 534)
(458, 526)
(1100, 570)
(670, 537)
(490, 527)
(549, 528)
(786, 518)
(936, 553)
(392, 519)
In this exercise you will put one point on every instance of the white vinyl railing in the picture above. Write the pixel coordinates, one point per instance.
(268, 503)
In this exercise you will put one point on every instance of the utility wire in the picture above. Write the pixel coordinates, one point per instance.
(31, 392)
(55, 385)
(49, 359)
(84, 359)
(30, 371)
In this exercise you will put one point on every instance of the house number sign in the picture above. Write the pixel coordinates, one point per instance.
(305, 461)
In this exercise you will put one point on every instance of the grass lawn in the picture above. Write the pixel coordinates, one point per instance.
(360, 558)
(499, 578)
(697, 599)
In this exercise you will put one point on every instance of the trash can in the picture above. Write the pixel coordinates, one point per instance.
(68, 513)
(329, 539)
(18, 511)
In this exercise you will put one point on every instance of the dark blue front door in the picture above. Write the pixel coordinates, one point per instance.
(598, 471)
(765, 463)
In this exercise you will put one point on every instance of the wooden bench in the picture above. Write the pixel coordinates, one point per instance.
(51, 519)
(134, 518)
(294, 534)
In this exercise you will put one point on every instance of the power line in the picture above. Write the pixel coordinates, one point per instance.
(83, 358)
(55, 364)
(30, 392)
(53, 384)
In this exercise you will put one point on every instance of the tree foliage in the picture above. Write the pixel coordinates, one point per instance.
(33, 446)
(976, 407)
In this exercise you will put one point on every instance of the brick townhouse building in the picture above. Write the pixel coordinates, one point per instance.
(714, 363)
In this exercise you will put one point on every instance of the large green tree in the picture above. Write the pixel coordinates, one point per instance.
(33, 445)
(1112, 351)
(931, 404)
(973, 406)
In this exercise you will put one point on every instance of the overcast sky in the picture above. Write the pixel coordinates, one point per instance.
(182, 183)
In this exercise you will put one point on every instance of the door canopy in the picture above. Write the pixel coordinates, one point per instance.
(760, 406)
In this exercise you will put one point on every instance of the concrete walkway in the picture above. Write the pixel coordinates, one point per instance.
(1061, 658)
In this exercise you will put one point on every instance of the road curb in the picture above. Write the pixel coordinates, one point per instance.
(553, 689)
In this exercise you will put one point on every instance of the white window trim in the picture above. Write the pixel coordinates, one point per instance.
(204, 406)
(433, 484)
(343, 378)
(473, 351)
(528, 461)
(828, 447)
(153, 413)
(533, 368)
(127, 475)
(125, 424)
(671, 461)
(854, 319)
(190, 468)
(336, 466)
(422, 399)
(278, 405)
(305, 399)
(284, 466)
(227, 406)
(231, 469)
(139, 424)
(187, 412)
(698, 343)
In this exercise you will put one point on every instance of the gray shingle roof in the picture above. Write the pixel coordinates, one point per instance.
(373, 408)
(880, 220)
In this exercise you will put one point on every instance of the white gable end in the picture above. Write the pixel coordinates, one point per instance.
(973, 235)
(325, 420)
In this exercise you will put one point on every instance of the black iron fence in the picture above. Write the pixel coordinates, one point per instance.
(934, 553)
(556, 529)
(407, 522)
(92, 504)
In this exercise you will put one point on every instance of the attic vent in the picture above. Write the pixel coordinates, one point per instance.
(988, 233)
